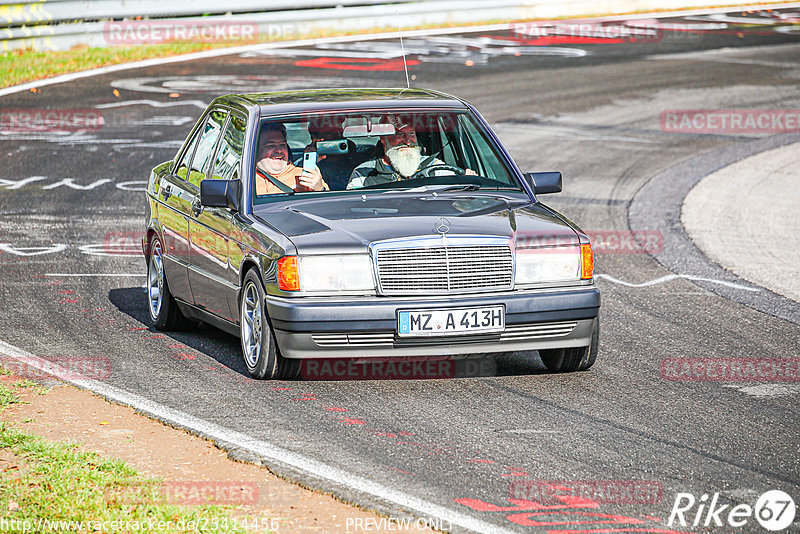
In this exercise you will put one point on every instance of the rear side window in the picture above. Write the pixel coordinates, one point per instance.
(227, 163)
(205, 146)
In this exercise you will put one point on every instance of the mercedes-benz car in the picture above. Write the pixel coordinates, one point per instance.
(366, 223)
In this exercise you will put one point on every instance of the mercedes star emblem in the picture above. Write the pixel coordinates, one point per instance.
(442, 226)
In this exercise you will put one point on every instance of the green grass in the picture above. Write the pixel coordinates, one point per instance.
(27, 383)
(7, 397)
(59, 482)
(20, 66)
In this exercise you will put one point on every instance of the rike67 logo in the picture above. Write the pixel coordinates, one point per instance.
(774, 510)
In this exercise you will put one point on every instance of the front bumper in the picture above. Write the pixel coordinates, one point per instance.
(366, 326)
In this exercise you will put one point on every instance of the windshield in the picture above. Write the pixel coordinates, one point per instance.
(359, 151)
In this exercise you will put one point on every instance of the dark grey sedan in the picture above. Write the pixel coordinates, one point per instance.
(363, 224)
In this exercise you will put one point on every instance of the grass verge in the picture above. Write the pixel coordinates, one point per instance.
(57, 486)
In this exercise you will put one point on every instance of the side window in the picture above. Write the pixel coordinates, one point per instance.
(205, 146)
(183, 167)
(488, 162)
(227, 164)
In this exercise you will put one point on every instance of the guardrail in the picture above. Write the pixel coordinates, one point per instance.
(61, 24)
(28, 12)
(305, 17)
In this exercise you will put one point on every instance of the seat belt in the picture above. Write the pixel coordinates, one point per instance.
(277, 183)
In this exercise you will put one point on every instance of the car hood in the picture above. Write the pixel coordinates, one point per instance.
(350, 223)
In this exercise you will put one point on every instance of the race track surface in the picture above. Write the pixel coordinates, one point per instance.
(72, 208)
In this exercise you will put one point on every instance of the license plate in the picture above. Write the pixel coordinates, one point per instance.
(450, 322)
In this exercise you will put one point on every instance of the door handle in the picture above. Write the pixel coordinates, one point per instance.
(166, 191)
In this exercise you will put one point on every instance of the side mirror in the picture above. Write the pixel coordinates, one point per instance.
(221, 193)
(544, 182)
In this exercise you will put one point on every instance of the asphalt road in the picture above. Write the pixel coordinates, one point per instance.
(589, 109)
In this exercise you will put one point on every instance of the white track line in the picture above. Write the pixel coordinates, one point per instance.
(268, 451)
(670, 277)
(94, 274)
(152, 103)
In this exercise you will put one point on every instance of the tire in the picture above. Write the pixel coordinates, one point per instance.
(164, 312)
(259, 348)
(572, 359)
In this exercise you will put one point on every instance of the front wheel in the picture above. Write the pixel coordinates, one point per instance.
(572, 359)
(261, 355)
(163, 309)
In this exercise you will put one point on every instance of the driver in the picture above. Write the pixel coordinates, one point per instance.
(401, 158)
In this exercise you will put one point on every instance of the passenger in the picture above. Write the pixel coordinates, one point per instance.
(275, 173)
(402, 157)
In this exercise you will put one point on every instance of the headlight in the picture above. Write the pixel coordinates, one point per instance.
(548, 264)
(348, 272)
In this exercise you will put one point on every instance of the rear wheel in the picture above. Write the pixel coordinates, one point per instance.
(572, 359)
(261, 355)
(163, 309)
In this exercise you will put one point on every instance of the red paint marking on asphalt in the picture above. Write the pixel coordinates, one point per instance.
(350, 421)
(515, 472)
(396, 469)
(523, 505)
(139, 328)
(356, 63)
(281, 389)
(175, 346)
(157, 336)
(184, 356)
(386, 434)
(336, 409)
(66, 292)
(406, 433)
(68, 301)
(480, 461)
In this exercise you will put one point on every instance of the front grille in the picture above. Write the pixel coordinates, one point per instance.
(444, 268)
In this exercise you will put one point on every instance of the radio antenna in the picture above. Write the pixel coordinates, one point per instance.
(403, 49)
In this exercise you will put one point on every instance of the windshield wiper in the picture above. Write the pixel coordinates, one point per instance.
(437, 188)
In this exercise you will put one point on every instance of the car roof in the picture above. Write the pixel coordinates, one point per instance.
(320, 100)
